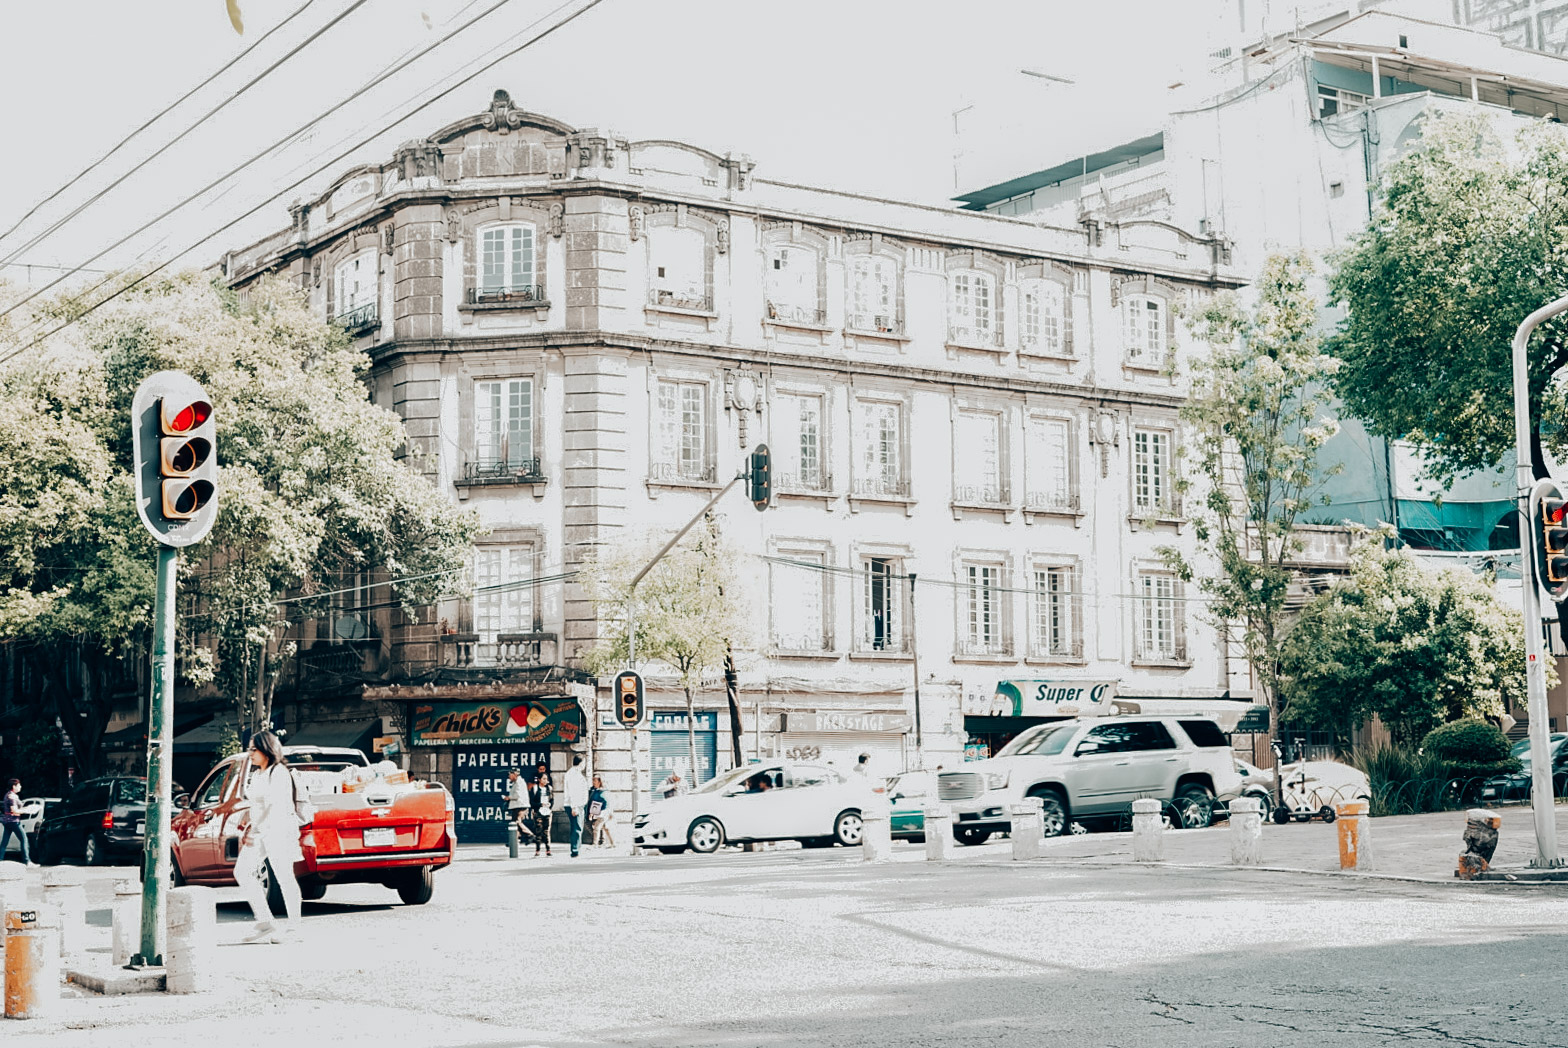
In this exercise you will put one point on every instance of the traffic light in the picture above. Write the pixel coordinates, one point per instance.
(175, 443)
(761, 478)
(1549, 517)
(628, 698)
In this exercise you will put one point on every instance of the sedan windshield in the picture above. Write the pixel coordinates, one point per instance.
(720, 783)
(1044, 741)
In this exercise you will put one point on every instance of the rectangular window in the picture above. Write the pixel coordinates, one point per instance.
(978, 458)
(1145, 330)
(879, 441)
(506, 259)
(682, 451)
(797, 443)
(1158, 632)
(873, 294)
(792, 284)
(800, 599)
(356, 283)
(882, 604)
(1048, 462)
(503, 424)
(972, 298)
(1056, 613)
(503, 595)
(984, 609)
(1151, 465)
(678, 267)
(1043, 317)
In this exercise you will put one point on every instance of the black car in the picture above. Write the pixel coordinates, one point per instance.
(1520, 785)
(103, 820)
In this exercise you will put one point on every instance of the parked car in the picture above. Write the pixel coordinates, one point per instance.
(1255, 782)
(1518, 786)
(1089, 768)
(810, 803)
(909, 794)
(103, 820)
(33, 809)
(389, 831)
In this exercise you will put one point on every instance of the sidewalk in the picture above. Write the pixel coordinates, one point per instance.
(1418, 847)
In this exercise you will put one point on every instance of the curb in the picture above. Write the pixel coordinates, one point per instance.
(1101, 864)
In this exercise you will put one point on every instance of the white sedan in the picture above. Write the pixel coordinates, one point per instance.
(810, 803)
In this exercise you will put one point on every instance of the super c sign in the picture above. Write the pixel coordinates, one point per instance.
(519, 721)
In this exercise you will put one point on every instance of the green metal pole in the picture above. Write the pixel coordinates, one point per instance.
(160, 750)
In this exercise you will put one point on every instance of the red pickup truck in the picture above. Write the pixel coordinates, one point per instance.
(396, 835)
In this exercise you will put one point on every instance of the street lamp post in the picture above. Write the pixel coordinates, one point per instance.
(1543, 798)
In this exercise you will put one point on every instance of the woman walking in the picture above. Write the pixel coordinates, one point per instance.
(541, 797)
(599, 814)
(271, 838)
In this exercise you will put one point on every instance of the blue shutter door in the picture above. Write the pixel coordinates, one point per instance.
(668, 752)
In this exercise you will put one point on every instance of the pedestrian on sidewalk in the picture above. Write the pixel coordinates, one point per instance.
(271, 838)
(863, 766)
(576, 801)
(517, 802)
(672, 786)
(11, 822)
(541, 799)
(599, 814)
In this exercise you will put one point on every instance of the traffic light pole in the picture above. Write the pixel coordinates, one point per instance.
(1543, 796)
(160, 750)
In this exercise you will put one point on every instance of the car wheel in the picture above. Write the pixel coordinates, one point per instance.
(92, 851)
(415, 888)
(967, 836)
(705, 836)
(1053, 812)
(849, 829)
(313, 889)
(1194, 806)
(176, 878)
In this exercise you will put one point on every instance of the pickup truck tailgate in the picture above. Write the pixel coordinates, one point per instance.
(405, 826)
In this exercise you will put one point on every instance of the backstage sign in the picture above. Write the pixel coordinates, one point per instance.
(509, 721)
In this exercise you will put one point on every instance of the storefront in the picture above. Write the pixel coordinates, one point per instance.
(839, 738)
(992, 721)
(669, 747)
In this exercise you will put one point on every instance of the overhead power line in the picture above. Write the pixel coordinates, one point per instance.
(252, 82)
(90, 168)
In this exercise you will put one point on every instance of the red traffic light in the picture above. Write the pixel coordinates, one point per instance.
(182, 418)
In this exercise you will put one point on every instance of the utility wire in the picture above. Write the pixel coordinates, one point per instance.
(252, 82)
(291, 136)
(90, 168)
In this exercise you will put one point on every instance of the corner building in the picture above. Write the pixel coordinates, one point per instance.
(586, 335)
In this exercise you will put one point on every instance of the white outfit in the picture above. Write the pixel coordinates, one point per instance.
(273, 834)
(576, 788)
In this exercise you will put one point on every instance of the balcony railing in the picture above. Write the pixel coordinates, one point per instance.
(879, 323)
(523, 294)
(1168, 508)
(1175, 651)
(361, 319)
(674, 473)
(882, 487)
(974, 336)
(680, 300)
(797, 314)
(980, 495)
(502, 471)
(807, 482)
(892, 642)
(508, 650)
(982, 647)
(1052, 502)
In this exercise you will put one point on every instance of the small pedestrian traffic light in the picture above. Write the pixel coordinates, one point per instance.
(761, 478)
(175, 444)
(628, 699)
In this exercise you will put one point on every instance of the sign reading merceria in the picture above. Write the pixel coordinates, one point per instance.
(518, 721)
(1056, 698)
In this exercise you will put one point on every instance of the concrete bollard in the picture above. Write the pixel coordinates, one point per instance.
(1246, 831)
(939, 833)
(32, 963)
(1480, 838)
(876, 840)
(1355, 834)
(64, 891)
(190, 956)
(126, 921)
(511, 839)
(1148, 830)
(1028, 828)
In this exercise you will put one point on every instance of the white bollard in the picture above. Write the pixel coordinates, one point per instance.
(939, 833)
(1028, 828)
(1148, 830)
(64, 891)
(190, 956)
(126, 921)
(1246, 831)
(876, 841)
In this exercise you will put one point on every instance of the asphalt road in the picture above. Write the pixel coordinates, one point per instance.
(819, 948)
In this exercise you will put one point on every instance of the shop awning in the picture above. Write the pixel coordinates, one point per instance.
(357, 735)
(202, 738)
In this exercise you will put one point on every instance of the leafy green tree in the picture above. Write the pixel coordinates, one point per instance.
(1470, 237)
(1255, 428)
(310, 489)
(1416, 647)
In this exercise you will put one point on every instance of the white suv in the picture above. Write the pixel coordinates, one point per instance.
(1094, 768)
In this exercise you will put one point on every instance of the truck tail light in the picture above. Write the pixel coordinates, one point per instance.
(108, 820)
(451, 805)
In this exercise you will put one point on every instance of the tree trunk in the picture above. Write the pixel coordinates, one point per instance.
(691, 737)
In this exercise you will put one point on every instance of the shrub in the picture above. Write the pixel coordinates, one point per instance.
(1470, 748)
(1403, 781)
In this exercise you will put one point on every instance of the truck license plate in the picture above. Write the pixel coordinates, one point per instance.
(141, 827)
(380, 837)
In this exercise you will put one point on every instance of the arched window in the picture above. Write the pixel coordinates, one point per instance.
(873, 294)
(1042, 318)
(1144, 320)
(791, 280)
(506, 262)
(354, 283)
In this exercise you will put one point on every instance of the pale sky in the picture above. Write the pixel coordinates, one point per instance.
(852, 94)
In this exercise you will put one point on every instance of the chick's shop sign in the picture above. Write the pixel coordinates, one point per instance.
(520, 721)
